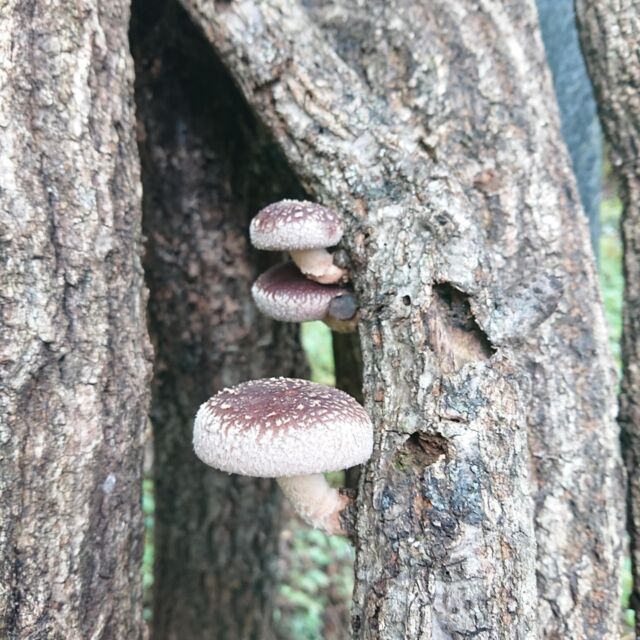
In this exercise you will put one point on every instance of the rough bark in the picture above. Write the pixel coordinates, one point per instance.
(207, 169)
(610, 33)
(432, 128)
(75, 359)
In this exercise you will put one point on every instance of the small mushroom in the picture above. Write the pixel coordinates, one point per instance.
(284, 294)
(292, 430)
(305, 230)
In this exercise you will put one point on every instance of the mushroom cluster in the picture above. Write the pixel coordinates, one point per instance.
(288, 429)
(307, 288)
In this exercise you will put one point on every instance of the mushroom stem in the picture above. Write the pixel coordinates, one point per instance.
(315, 501)
(317, 264)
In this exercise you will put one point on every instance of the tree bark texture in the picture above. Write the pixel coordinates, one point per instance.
(610, 33)
(207, 168)
(74, 352)
(432, 128)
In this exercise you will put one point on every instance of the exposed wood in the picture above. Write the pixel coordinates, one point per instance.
(74, 353)
(610, 32)
(207, 169)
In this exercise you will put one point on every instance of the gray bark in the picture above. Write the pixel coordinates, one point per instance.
(207, 168)
(610, 33)
(433, 130)
(74, 355)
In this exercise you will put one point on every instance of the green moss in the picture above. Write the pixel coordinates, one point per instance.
(148, 510)
(612, 285)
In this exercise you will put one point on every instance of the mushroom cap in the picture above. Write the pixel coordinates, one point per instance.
(283, 293)
(295, 225)
(277, 427)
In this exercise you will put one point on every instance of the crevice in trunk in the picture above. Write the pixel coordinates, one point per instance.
(207, 167)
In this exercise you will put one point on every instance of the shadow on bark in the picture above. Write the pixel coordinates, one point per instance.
(207, 168)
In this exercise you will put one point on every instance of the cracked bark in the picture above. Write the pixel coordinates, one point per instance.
(431, 129)
(74, 354)
(207, 168)
(610, 34)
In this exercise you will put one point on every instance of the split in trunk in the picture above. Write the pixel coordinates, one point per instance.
(207, 168)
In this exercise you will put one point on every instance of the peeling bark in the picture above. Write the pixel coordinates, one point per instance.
(74, 354)
(207, 169)
(429, 127)
(610, 33)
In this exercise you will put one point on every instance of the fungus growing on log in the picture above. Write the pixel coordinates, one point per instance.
(284, 294)
(292, 430)
(305, 230)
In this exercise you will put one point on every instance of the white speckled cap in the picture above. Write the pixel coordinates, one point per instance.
(283, 293)
(295, 225)
(279, 427)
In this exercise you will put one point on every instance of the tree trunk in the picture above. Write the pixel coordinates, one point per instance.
(207, 169)
(75, 359)
(610, 33)
(429, 127)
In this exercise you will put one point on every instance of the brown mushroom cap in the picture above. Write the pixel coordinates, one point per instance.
(279, 427)
(295, 225)
(283, 293)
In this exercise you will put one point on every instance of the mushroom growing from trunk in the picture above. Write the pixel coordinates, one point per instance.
(289, 429)
(284, 294)
(305, 230)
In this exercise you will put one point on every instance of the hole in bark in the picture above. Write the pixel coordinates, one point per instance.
(454, 334)
(421, 450)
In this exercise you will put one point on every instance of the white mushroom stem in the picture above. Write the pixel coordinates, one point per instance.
(317, 264)
(317, 503)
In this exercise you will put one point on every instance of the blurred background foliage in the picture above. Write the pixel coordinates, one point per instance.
(316, 571)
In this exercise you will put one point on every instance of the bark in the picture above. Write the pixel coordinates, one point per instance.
(207, 169)
(74, 353)
(610, 33)
(432, 129)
